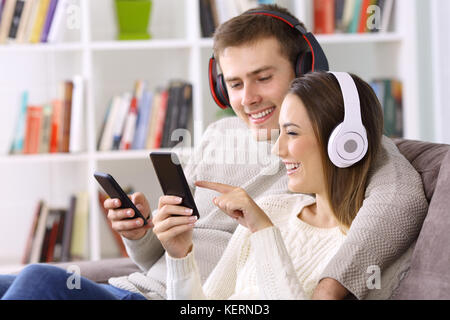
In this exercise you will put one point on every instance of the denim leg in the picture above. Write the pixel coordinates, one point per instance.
(46, 282)
(5, 282)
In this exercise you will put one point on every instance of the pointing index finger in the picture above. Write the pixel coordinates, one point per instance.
(219, 187)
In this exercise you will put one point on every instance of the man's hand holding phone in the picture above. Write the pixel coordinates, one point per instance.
(132, 229)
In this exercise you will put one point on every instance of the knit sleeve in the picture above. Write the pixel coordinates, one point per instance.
(183, 276)
(146, 251)
(385, 226)
(276, 275)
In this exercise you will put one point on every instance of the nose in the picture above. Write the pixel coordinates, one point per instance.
(278, 149)
(250, 96)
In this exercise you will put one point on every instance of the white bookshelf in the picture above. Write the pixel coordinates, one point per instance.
(110, 67)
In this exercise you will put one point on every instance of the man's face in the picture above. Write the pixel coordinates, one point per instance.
(257, 77)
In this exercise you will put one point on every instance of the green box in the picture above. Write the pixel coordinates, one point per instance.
(133, 17)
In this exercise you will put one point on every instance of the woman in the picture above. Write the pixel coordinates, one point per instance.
(283, 242)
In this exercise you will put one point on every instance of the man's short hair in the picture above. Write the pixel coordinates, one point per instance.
(249, 28)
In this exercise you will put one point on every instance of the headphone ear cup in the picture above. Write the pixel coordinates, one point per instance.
(303, 64)
(221, 91)
(345, 148)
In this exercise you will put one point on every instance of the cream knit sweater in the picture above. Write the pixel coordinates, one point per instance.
(386, 225)
(281, 262)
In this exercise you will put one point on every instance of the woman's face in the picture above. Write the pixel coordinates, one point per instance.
(299, 148)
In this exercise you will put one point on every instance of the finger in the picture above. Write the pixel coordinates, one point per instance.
(175, 231)
(172, 222)
(219, 187)
(120, 214)
(111, 203)
(127, 225)
(165, 200)
(169, 210)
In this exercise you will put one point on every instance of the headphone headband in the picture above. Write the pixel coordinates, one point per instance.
(348, 142)
(313, 60)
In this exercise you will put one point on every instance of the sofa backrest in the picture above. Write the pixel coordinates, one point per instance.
(429, 273)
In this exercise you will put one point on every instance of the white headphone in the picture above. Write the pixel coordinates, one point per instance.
(348, 142)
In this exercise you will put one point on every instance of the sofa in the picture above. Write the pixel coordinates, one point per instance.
(428, 273)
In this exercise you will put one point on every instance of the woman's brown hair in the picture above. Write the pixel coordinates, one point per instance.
(322, 97)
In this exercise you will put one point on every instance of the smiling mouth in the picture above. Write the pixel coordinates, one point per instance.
(261, 116)
(292, 167)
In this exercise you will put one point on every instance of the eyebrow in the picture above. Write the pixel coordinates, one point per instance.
(259, 70)
(290, 124)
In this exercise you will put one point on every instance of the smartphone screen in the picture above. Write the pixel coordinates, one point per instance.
(172, 179)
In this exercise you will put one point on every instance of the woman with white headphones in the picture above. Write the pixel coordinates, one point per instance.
(331, 129)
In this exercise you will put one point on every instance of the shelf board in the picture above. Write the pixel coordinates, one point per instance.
(134, 154)
(338, 38)
(42, 47)
(140, 44)
(42, 158)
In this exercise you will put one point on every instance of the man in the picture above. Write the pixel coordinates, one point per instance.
(257, 55)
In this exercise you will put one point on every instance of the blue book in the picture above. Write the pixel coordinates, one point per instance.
(145, 106)
(354, 24)
(19, 136)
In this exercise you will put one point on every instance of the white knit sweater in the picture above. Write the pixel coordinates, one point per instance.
(281, 262)
(386, 225)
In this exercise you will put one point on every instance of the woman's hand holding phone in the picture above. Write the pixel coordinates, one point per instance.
(173, 226)
(236, 203)
(132, 229)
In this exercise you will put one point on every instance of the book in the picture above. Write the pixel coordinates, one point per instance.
(324, 16)
(33, 127)
(339, 15)
(79, 247)
(107, 134)
(55, 131)
(132, 115)
(143, 121)
(32, 18)
(156, 103)
(76, 135)
(38, 240)
(161, 117)
(39, 21)
(19, 135)
(24, 20)
(48, 20)
(44, 135)
(347, 15)
(386, 15)
(16, 20)
(120, 119)
(362, 28)
(172, 112)
(185, 112)
(354, 23)
(66, 241)
(7, 16)
(57, 27)
(66, 113)
(206, 18)
(32, 233)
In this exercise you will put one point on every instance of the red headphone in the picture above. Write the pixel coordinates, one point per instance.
(309, 61)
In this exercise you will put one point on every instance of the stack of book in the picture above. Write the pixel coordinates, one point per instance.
(56, 126)
(389, 93)
(352, 16)
(59, 234)
(62, 234)
(216, 12)
(145, 119)
(32, 21)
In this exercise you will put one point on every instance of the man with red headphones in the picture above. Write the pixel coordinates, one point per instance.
(258, 63)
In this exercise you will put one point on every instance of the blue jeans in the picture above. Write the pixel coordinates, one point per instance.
(46, 282)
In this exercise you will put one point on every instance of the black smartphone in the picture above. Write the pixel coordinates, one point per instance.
(113, 189)
(172, 179)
